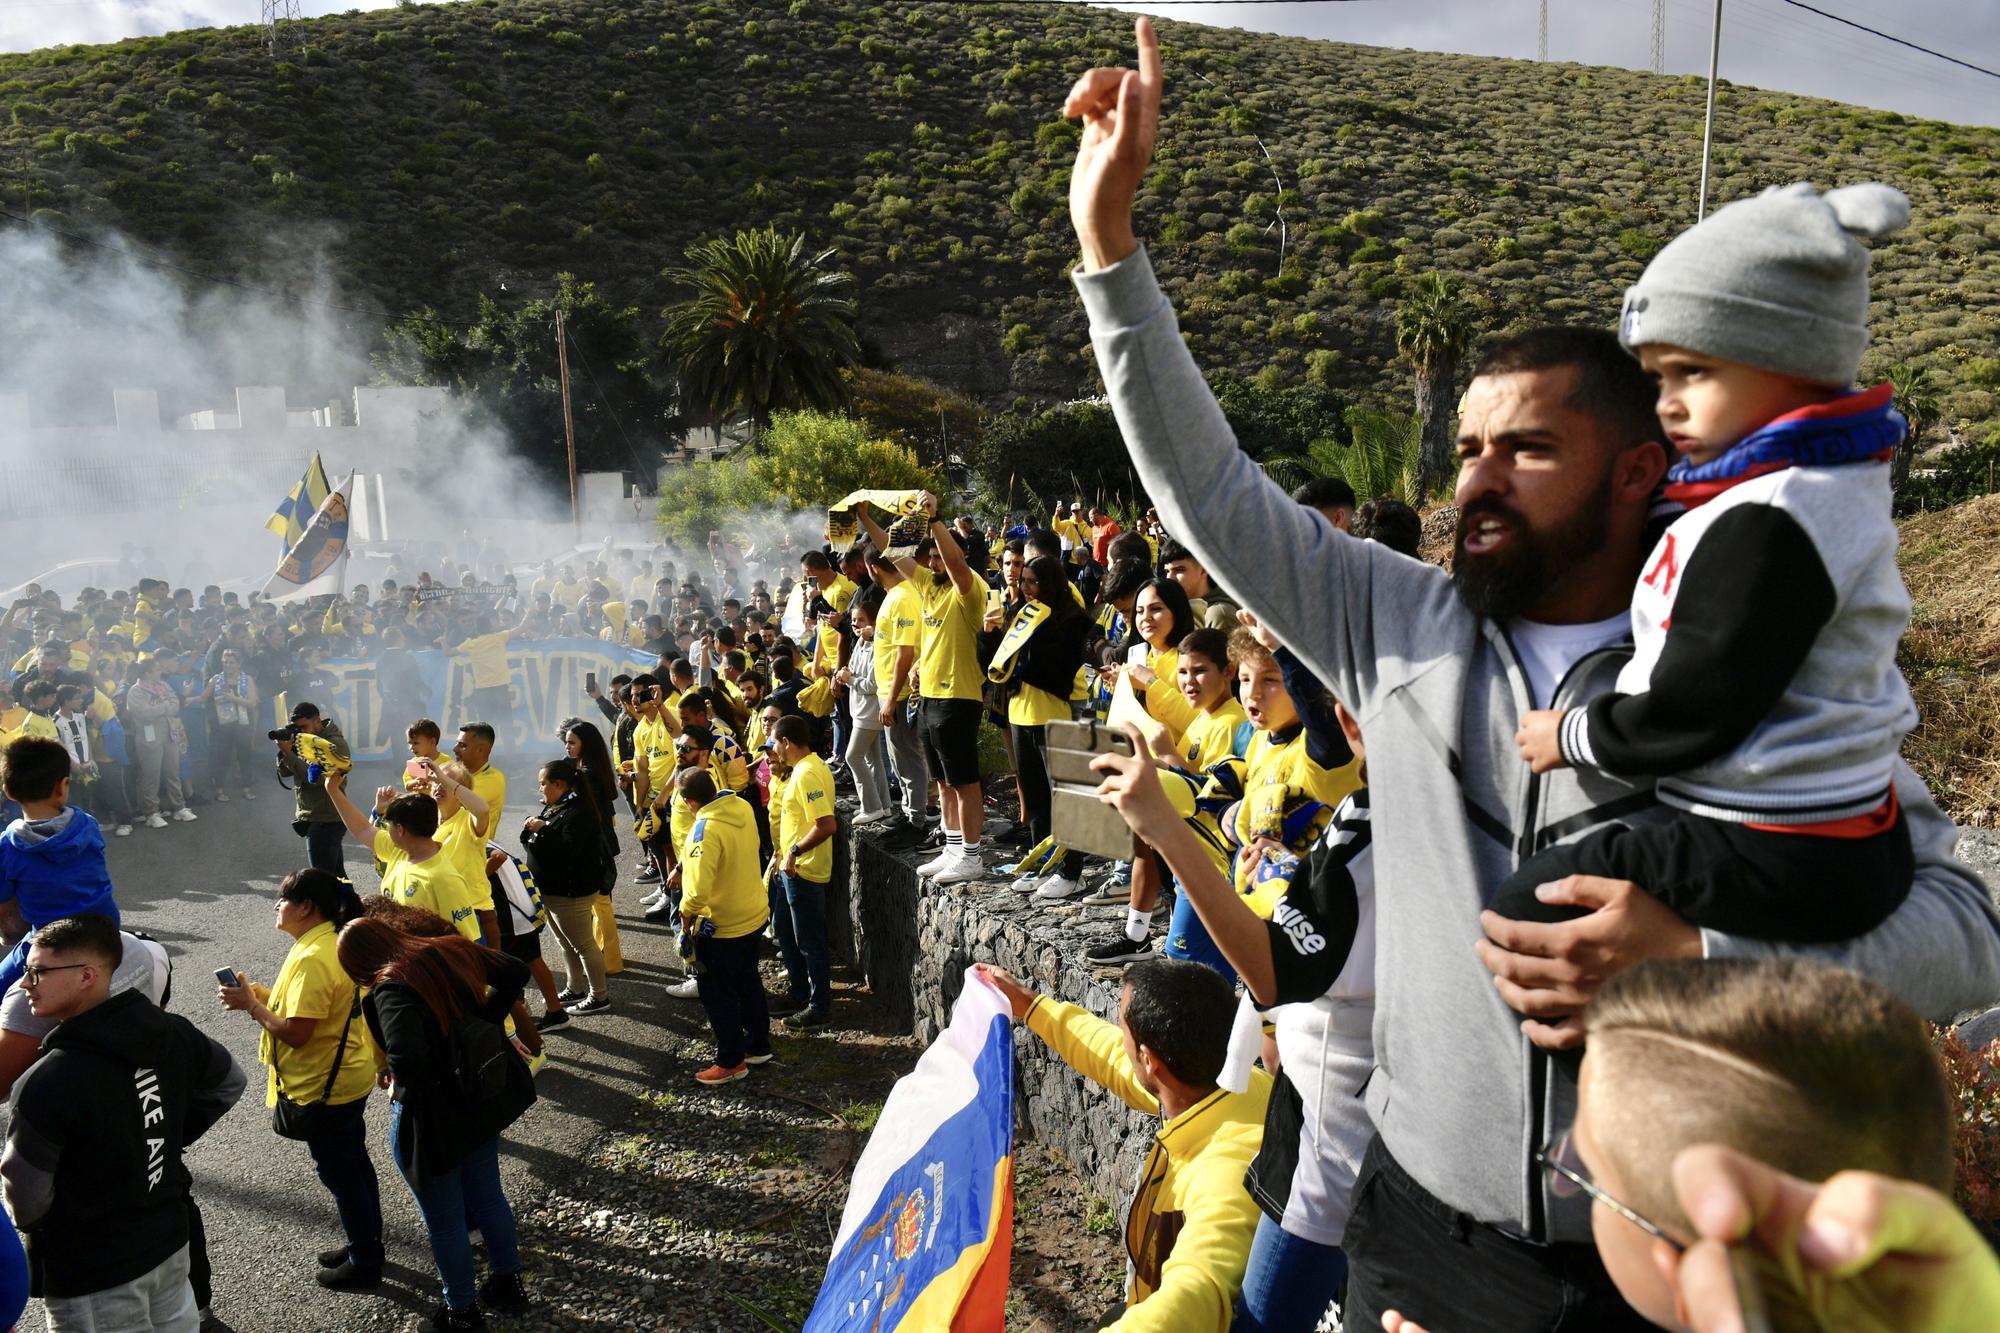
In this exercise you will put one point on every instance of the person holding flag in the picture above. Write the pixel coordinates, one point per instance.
(1189, 1226)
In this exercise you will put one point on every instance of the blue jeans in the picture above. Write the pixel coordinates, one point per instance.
(798, 918)
(1289, 1282)
(472, 1187)
(339, 1148)
(1188, 938)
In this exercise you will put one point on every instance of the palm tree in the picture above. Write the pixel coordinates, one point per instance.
(1433, 329)
(769, 326)
(1917, 400)
(1378, 459)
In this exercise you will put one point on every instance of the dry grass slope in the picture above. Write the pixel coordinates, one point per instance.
(1951, 655)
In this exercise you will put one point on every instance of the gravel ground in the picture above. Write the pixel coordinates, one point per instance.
(708, 1208)
(642, 1197)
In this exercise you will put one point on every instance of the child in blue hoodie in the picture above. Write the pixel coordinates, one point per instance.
(52, 857)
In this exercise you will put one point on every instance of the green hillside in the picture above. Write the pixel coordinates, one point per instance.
(442, 148)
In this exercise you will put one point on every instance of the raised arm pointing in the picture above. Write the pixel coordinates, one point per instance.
(1120, 109)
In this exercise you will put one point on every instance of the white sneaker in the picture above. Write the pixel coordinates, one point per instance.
(1057, 887)
(249, 795)
(185, 816)
(966, 866)
(652, 900)
(1028, 883)
(930, 868)
(863, 821)
(154, 821)
(223, 797)
(122, 831)
(685, 990)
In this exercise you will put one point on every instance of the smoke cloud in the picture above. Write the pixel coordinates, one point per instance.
(90, 320)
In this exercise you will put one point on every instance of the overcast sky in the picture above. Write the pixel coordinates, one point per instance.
(1767, 43)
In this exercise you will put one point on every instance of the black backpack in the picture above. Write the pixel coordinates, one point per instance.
(487, 1081)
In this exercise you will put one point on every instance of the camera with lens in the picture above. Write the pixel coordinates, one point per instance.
(318, 752)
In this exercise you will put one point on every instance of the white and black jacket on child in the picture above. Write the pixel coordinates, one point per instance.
(1763, 684)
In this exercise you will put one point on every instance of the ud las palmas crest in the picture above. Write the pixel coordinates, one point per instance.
(324, 542)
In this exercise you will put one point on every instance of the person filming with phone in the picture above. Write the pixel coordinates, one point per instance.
(322, 1064)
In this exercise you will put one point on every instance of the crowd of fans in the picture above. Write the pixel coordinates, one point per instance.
(1524, 965)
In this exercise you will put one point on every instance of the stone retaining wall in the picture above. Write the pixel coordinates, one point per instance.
(912, 941)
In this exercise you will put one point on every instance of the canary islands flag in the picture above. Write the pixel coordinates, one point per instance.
(927, 1236)
(296, 510)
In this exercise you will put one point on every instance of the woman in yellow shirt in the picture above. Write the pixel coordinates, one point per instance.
(322, 1064)
(1161, 618)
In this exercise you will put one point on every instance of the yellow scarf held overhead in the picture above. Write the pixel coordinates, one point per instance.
(909, 523)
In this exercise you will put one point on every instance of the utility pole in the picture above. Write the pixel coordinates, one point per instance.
(1542, 42)
(569, 424)
(1659, 36)
(1708, 125)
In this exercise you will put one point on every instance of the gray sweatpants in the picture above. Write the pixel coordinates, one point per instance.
(868, 760)
(906, 754)
(162, 1300)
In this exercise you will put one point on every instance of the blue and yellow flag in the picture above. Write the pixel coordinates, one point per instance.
(296, 510)
(926, 1239)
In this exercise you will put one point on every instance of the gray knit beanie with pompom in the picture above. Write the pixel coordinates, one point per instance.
(1778, 281)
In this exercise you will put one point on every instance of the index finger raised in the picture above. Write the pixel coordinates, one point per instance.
(1149, 54)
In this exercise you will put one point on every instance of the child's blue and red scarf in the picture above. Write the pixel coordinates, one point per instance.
(1858, 427)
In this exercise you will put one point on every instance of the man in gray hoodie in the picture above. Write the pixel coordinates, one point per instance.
(1559, 457)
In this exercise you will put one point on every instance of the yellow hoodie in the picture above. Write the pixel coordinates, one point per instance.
(724, 876)
(1189, 1228)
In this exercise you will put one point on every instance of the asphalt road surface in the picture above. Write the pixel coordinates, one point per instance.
(205, 889)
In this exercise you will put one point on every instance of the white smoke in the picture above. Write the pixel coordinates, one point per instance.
(89, 319)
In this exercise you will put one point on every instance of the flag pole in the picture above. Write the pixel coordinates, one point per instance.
(1708, 123)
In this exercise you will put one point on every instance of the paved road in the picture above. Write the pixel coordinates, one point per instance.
(205, 890)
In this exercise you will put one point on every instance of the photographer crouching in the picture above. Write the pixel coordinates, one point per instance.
(308, 747)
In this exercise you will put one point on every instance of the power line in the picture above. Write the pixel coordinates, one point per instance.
(1891, 37)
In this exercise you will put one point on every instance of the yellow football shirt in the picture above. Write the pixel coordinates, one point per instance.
(312, 984)
(898, 624)
(467, 850)
(435, 885)
(488, 655)
(948, 652)
(807, 796)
